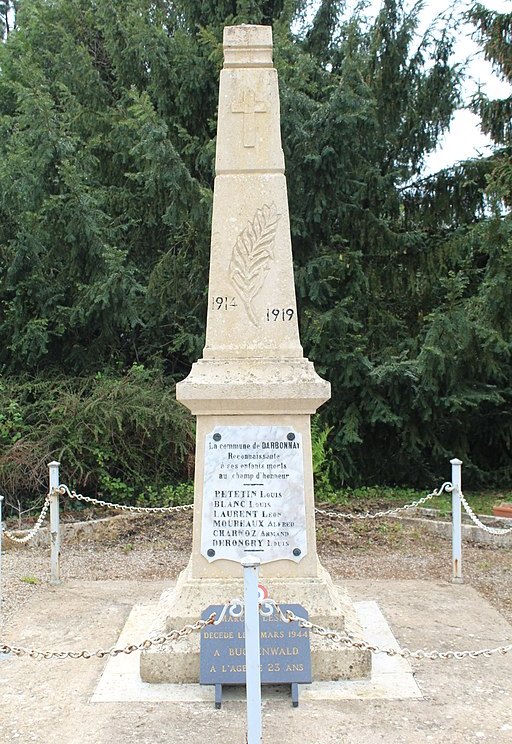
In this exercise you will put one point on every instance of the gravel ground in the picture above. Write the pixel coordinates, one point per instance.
(158, 547)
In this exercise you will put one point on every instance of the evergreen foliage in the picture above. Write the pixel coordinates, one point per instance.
(107, 142)
(494, 31)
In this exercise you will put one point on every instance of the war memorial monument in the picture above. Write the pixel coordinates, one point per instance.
(253, 392)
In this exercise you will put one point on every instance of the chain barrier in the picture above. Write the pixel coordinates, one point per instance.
(35, 529)
(348, 640)
(63, 489)
(471, 514)
(268, 607)
(173, 635)
(344, 515)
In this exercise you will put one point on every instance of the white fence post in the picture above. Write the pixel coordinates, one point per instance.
(1, 536)
(54, 482)
(2, 654)
(456, 521)
(252, 649)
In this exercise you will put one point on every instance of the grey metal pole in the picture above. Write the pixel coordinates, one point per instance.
(456, 521)
(54, 482)
(252, 649)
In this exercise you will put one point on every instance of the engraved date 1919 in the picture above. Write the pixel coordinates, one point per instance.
(280, 313)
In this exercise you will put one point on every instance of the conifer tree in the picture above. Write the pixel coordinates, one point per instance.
(494, 31)
(107, 142)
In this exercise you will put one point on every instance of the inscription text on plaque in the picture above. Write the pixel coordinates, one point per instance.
(253, 498)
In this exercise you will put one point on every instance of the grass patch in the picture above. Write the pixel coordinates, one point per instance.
(375, 498)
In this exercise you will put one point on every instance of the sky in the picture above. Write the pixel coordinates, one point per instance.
(465, 139)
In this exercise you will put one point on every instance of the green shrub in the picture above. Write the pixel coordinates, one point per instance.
(178, 495)
(321, 455)
(116, 436)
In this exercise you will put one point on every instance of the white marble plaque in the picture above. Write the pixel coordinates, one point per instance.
(253, 500)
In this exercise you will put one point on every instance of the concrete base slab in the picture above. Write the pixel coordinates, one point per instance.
(391, 679)
(464, 701)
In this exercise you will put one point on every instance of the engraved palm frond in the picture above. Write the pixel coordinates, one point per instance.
(252, 255)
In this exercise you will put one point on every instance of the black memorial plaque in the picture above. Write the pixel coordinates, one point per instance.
(285, 651)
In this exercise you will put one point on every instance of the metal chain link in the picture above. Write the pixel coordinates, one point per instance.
(343, 515)
(173, 635)
(348, 640)
(35, 529)
(474, 518)
(63, 489)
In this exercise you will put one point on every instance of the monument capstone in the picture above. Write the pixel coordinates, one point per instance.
(253, 391)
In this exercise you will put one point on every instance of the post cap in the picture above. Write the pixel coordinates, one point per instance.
(250, 561)
(455, 461)
(53, 464)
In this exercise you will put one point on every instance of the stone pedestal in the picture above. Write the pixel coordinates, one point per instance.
(253, 392)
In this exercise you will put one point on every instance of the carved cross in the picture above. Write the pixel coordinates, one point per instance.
(249, 107)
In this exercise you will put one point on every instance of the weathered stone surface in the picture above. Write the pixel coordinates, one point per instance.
(253, 386)
(179, 661)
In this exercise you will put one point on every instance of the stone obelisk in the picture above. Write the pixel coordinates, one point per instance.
(253, 391)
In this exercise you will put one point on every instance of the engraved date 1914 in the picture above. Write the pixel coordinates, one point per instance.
(223, 303)
(280, 313)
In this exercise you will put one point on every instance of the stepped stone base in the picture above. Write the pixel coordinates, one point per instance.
(328, 605)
